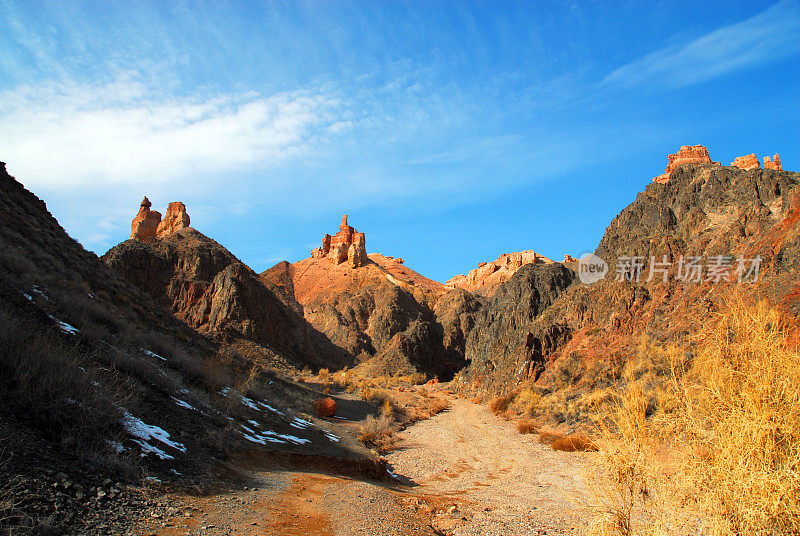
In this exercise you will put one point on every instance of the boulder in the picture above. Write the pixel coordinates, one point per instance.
(325, 407)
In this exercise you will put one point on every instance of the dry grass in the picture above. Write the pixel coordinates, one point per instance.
(527, 426)
(501, 403)
(378, 433)
(574, 443)
(719, 452)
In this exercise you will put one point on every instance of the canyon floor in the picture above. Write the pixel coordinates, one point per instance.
(465, 471)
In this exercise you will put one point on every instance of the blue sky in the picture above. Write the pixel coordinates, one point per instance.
(450, 132)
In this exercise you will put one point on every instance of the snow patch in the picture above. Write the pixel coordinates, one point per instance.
(152, 354)
(299, 423)
(183, 404)
(331, 436)
(270, 408)
(63, 326)
(144, 432)
(271, 437)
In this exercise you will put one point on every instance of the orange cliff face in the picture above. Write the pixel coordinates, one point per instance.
(346, 245)
(770, 164)
(148, 225)
(749, 161)
(489, 275)
(175, 219)
(145, 225)
(687, 154)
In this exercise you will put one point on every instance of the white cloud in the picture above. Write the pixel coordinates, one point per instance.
(60, 135)
(769, 36)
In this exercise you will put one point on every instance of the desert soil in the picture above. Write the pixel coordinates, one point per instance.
(462, 472)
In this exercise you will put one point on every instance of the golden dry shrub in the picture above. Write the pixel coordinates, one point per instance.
(574, 443)
(720, 453)
(501, 403)
(527, 427)
(378, 433)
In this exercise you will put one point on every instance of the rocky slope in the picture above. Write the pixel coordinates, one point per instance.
(488, 276)
(380, 312)
(582, 341)
(207, 287)
(102, 385)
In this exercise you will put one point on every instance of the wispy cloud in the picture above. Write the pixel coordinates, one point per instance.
(63, 134)
(769, 36)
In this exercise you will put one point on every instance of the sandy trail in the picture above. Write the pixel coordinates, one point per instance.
(468, 473)
(500, 481)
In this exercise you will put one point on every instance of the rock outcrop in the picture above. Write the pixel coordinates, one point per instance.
(144, 226)
(687, 154)
(174, 220)
(580, 337)
(207, 287)
(506, 344)
(346, 245)
(489, 275)
(148, 225)
(749, 161)
(773, 164)
(569, 258)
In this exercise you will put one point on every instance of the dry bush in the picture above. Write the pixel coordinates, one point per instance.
(378, 433)
(501, 403)
(323, 375)
(527, 427)
(574, 443)
(720, 454)
(47, 382)
(547, 437)
(528, 401)
(437, 405)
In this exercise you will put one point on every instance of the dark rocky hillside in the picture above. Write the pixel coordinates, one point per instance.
(582, 338)
(102, 386)
(207, 287)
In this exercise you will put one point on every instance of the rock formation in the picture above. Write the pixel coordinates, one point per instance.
(144, 226)
(208, 288)
(773, 164)
(569, 258)
(488, 275)
(687, 154)
(346, 245)
(749, 161)
(148, 225)
(175, 219)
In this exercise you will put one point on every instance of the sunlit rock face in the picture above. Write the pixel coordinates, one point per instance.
(687, 154)
(773, 164)
(346, 245)
(148, 225)
(174, 220)
(145, 225)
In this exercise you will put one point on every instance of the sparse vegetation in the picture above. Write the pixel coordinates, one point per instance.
(378, 433)
(717, 452)
(501, 403)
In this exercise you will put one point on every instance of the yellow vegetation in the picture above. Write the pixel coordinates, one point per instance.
(716, 449)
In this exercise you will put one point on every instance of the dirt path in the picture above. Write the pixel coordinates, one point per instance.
(467, 473)
(499, 481)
